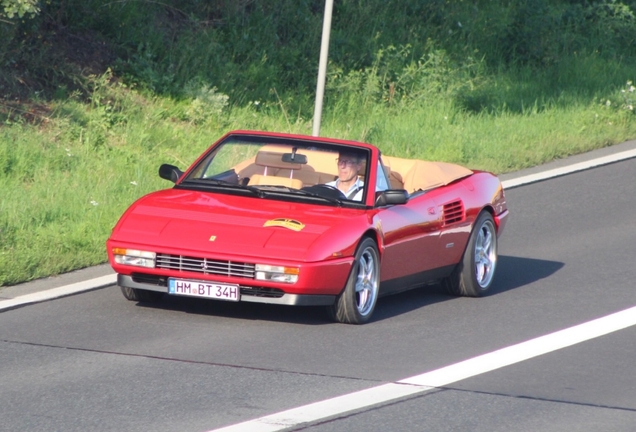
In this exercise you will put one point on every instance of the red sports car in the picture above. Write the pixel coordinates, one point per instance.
(299, 220)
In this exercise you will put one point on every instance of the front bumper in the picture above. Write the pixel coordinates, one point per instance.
(248, 294)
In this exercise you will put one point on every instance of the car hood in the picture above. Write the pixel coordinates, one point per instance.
(185, 222)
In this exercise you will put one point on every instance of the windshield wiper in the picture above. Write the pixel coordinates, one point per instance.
(265, 189)
(262, 190)
(224, 184)
(315, 195)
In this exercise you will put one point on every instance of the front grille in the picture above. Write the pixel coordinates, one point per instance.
(453, 212)
(205, 266)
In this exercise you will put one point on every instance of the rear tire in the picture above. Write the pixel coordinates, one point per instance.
(356, 302)
(145, 296)
(474, 274)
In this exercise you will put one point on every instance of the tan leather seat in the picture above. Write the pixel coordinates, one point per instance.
(275, 171)
(262, 180)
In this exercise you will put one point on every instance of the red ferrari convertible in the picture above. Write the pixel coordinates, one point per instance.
(298, 220)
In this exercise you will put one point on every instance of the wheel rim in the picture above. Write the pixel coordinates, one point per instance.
(485, 254)
(367, 282)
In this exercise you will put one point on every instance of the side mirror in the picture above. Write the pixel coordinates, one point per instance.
(391, 197)
(170, 172)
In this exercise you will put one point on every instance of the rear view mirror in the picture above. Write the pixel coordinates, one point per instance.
(296, 158)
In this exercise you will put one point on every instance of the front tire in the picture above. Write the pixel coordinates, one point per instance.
(356, 302)
(145, 296)
(474, 274)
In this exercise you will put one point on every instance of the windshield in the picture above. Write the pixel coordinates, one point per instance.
(306, 169)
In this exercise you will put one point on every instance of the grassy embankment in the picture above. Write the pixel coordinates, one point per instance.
(68, 171)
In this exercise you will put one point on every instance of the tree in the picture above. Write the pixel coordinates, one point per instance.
(19, 8)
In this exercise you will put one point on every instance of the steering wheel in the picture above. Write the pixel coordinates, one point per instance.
(326, 190)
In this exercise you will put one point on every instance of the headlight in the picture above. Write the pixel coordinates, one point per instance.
(133, 257)
(277, 273)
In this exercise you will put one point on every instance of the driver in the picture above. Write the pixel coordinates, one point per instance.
(348, 181)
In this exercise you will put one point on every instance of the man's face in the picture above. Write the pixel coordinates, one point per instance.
(348, 167)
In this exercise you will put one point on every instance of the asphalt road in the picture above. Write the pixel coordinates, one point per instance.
(95, 361)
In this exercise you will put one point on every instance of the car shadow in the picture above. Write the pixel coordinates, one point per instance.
(515, 272)
(304, 315)
(512, 273)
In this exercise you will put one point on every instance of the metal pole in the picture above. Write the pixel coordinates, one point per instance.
(322, 66)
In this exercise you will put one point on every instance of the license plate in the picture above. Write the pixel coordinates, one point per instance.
(204, 289)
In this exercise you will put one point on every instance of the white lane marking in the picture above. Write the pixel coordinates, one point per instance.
(340, 405)
(557, 172)
(58, 292)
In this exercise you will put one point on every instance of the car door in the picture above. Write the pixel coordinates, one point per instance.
(410, 236)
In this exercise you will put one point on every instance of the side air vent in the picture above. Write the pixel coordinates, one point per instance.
(453, 212)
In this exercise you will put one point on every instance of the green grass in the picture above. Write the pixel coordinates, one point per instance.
(67, 178)
(95, 95)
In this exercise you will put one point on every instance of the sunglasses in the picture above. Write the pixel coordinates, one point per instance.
(346, 162)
